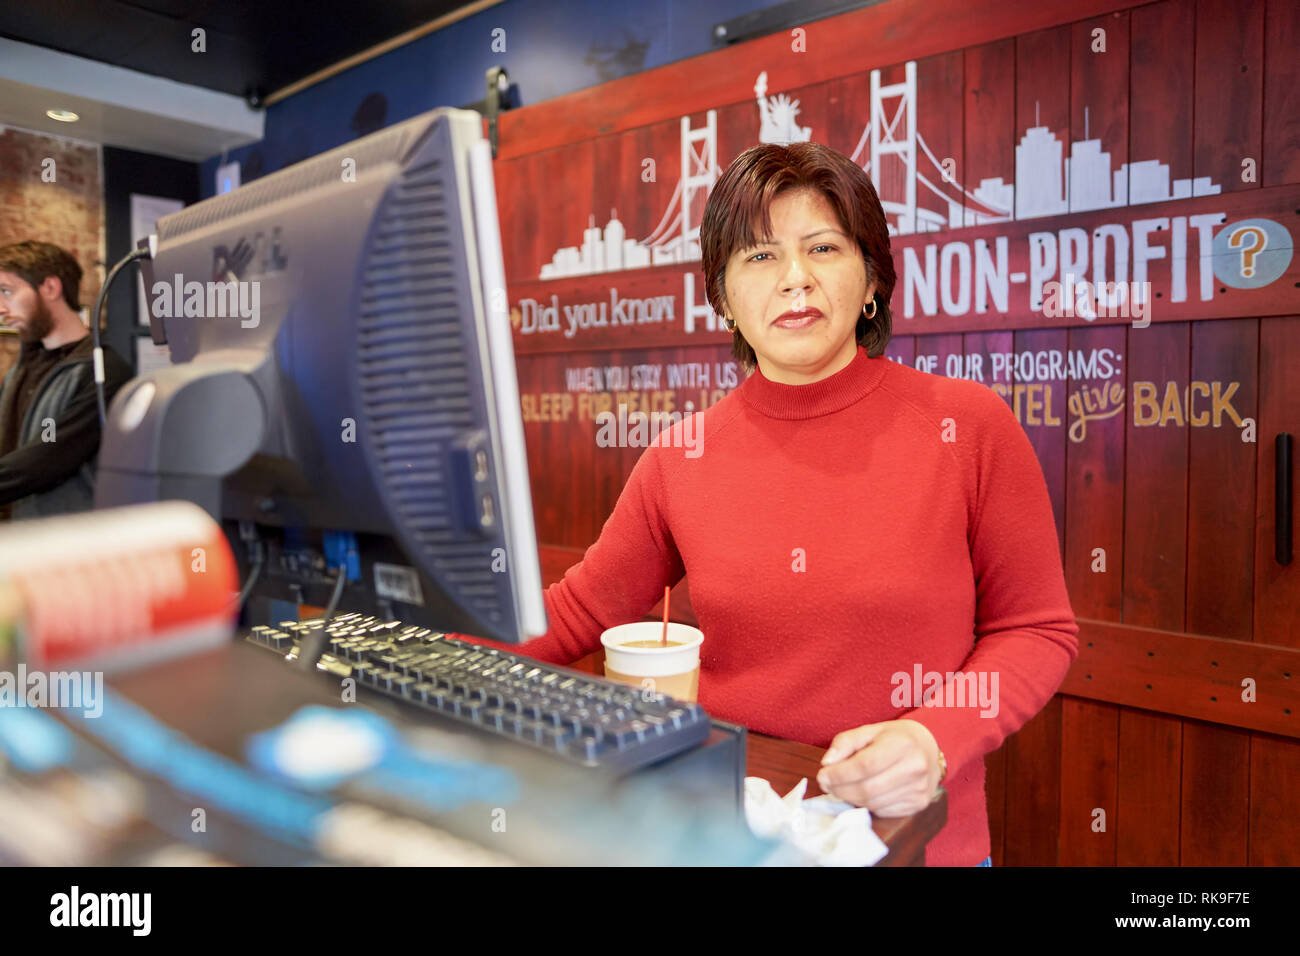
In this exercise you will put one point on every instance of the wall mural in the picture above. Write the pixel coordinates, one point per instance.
(1042, 248)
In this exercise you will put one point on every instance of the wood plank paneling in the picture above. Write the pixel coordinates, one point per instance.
(1161, 86)
(1281, 93)
(1099, 82)
(1089, 782)
(1094, 574)
(1220, 533)
(990, 115)
(939, 352)
(980, 349)
(1097, 407)
(1277, 586)
(1275, 761)
(1033, 790)
(1155, 544)
(1148, 796)
(902, 349)
(942, 131)
(514, 213)
(1274, 795)
(1221, 478)
(848, 109)
(890, 171)
(1188, 674)
(1215, 795)
(1040, 406)
(1228, 120)
(522, 214)
(1155, 479)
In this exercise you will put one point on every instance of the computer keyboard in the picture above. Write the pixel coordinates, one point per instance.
(574, 716)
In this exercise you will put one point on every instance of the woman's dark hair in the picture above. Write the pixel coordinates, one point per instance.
(739, 206)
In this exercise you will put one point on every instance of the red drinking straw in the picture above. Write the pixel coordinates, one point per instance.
(664, 642)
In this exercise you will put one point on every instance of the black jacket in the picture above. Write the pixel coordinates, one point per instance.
(55, 477)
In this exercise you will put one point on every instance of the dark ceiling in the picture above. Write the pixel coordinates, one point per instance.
(258, 45)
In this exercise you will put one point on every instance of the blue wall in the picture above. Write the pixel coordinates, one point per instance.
(553, 47)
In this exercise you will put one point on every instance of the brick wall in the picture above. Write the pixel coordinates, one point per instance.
(69, 211)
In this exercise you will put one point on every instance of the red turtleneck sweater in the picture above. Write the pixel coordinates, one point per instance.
(840, 538)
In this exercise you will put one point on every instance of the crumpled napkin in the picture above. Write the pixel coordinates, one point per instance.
(820, 831)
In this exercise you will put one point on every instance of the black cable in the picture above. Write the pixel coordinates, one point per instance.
(312, 646)
(253, 574)
(95, 314)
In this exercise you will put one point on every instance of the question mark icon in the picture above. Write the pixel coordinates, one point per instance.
(1257, 240)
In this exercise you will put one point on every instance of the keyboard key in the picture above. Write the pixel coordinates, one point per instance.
(530, 730)
(470, 710)
(402, 684)
(332, 665)
(624, 733)
(361, 670)
(556, 738)
(585, 748)
(659, 706)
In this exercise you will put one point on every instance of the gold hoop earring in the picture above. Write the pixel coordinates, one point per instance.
(728, 324)
(872, 313)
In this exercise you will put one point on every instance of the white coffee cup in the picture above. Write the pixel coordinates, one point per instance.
(674, 669)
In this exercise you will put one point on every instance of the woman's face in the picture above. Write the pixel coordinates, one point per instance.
(810, 265)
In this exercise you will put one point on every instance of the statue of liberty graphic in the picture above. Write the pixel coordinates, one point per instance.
(777, 117)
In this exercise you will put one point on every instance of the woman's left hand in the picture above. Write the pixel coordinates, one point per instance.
(891, 768)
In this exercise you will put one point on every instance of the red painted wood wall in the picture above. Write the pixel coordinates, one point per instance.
(1173, 740)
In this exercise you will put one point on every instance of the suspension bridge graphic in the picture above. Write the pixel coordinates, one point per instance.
(1046, 181)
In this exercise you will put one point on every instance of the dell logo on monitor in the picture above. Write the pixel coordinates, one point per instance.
(257, 258)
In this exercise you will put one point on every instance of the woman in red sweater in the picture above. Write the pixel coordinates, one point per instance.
(871, 549)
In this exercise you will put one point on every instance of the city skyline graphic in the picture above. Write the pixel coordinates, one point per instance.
(1050, 182)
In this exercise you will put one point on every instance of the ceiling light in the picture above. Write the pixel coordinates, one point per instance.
(63, 116)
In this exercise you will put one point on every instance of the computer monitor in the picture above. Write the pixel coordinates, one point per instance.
(342, 388)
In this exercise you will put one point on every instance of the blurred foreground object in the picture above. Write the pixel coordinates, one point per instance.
(114, 589)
